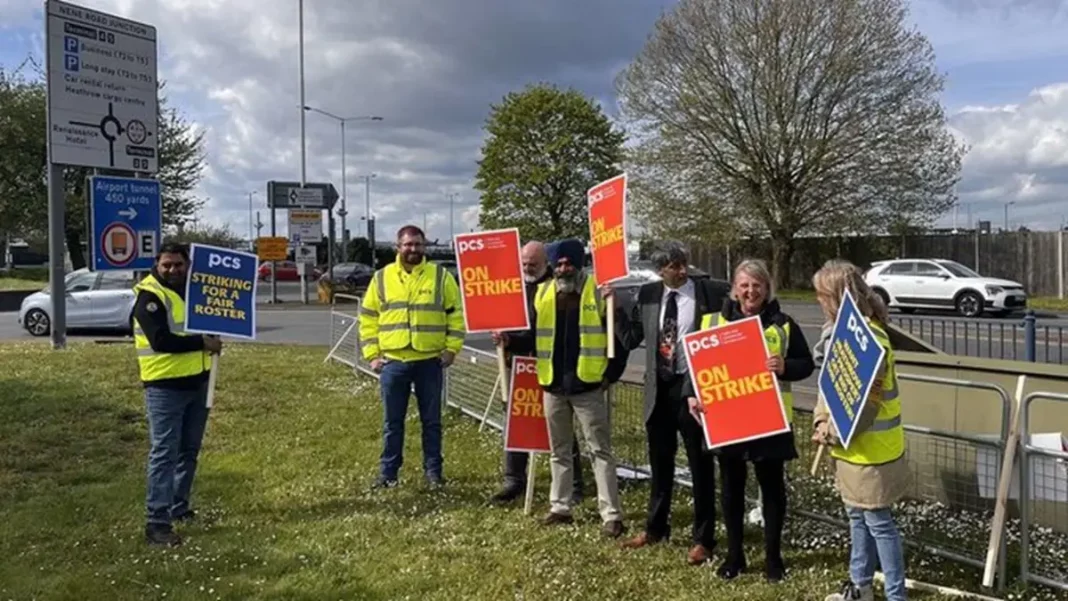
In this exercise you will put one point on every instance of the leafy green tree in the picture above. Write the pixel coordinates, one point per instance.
(544, 149)
(783, 117)
(221, 236)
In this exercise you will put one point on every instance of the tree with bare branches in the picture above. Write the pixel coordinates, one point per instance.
(784, 117)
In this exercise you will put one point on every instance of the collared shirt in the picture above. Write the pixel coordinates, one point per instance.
(686, 299)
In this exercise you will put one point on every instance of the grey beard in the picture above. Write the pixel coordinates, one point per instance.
(530, 279)
(566, 284)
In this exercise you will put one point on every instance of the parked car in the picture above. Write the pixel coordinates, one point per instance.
(349, 277)
(643, 272)
(286, 271)
(911, 284)
(101, 300)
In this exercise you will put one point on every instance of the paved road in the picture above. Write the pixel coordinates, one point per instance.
(984, 337)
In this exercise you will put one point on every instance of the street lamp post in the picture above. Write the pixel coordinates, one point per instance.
(250, 195)
(452, 233)
(343, 212)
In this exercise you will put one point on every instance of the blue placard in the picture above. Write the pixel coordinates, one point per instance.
(220, 294)
(851, 362)
(125, 217)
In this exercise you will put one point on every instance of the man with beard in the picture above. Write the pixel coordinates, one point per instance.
(535, 271)
(411, 328)
(174, 368)
(568, 335)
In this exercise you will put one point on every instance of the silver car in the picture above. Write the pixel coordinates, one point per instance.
(96, 300)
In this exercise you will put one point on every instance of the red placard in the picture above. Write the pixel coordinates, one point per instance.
(526, 430)
(607, 206)
(739, 395)
(491, 281)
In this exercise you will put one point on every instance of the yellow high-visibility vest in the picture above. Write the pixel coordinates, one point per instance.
(884, 441)
(411, 311)
(778, 339)
(593, 339)
(164, 366)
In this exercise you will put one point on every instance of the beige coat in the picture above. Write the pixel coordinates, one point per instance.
(866, 486)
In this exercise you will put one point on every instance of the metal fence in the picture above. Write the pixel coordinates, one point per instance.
(1044, 479)
(1016, 340)
(954, 475)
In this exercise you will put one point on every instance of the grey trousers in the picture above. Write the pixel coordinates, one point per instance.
(591, 409)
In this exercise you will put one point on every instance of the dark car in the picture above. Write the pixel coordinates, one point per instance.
(643, 272)
(350, 277)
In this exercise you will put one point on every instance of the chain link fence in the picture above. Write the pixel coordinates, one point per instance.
(954, 474)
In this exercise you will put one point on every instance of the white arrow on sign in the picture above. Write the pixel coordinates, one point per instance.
(128, 213)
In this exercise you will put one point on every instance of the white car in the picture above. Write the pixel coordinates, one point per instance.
(101, 300)
(910, 284)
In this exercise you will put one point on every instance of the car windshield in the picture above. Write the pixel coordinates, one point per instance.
(958, 270)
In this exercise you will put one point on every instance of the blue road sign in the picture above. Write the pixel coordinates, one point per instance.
(126, 220)
(220, 293)
(851, 363)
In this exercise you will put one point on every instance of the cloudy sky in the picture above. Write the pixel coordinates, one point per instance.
(432, 68)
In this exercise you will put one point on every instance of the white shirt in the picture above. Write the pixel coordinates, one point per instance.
(686, 299)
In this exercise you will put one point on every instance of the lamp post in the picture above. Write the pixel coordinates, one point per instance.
(250, 238)
(344, 190)
(367, 177)
(1007, 205)
(452, 233)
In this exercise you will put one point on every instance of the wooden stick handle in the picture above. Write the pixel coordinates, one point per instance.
(211, 381)
(611, 327)
(502, 367)
(818, 460)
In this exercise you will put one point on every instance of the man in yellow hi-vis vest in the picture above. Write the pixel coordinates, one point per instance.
(174, 369)
(411, 328)
(568, 335)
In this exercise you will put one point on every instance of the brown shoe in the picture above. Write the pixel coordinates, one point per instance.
(698, 555)
(554, 519)
(642, 540)
(613, 529)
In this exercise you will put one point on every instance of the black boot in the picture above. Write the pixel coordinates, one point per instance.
(162, 535)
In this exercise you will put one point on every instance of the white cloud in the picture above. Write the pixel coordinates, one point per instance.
(1018, 154)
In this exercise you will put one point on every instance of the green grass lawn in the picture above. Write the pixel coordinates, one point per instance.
(291, 448)
(24, 278)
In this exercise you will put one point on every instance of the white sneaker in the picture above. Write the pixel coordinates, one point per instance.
(755, 517)
(852, 592)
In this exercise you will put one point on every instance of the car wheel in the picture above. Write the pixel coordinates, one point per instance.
(970, 304)
(38, 323)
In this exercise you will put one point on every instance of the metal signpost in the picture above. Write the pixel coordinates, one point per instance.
(103, 112)
(126, 219)
(311, 196)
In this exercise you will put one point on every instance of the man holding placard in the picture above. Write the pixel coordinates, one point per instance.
(174, 369)
(569, 337)
(411, 329)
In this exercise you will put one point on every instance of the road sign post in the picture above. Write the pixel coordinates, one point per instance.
(103, 110)
(126, 221)
(293, 195)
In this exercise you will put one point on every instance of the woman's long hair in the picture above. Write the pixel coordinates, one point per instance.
(835, 277)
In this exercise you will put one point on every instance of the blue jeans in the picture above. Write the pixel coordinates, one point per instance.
(875, 538)
(396, 380)
(176, 422)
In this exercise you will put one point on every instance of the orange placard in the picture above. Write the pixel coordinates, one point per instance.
(607, 206)
(525, 429)
(740, 396)
(491, 281)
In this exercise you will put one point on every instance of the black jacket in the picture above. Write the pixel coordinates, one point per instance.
(566, 345)
(798, 365)
(151, 313)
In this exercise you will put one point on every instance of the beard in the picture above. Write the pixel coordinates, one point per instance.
(412, 258)
(567, 283)
(530, 279)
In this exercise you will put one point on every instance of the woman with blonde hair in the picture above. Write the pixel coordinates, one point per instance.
(752, 295)
(871, 474)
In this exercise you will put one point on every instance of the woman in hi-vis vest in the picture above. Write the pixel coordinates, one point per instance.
(871, 475)
(791, 360)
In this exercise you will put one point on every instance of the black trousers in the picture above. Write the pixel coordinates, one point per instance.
(515, 469)
(671, 417)
(771, 477)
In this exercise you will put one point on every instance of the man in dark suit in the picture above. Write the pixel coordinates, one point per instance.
(664, 312)
(535, 271)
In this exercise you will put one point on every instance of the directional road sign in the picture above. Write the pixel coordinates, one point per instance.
(284, 195)
(102, 93)
(126, 221)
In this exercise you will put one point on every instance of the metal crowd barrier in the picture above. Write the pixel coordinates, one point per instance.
(1015, 340)
(945, 468)
(1050, 479)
